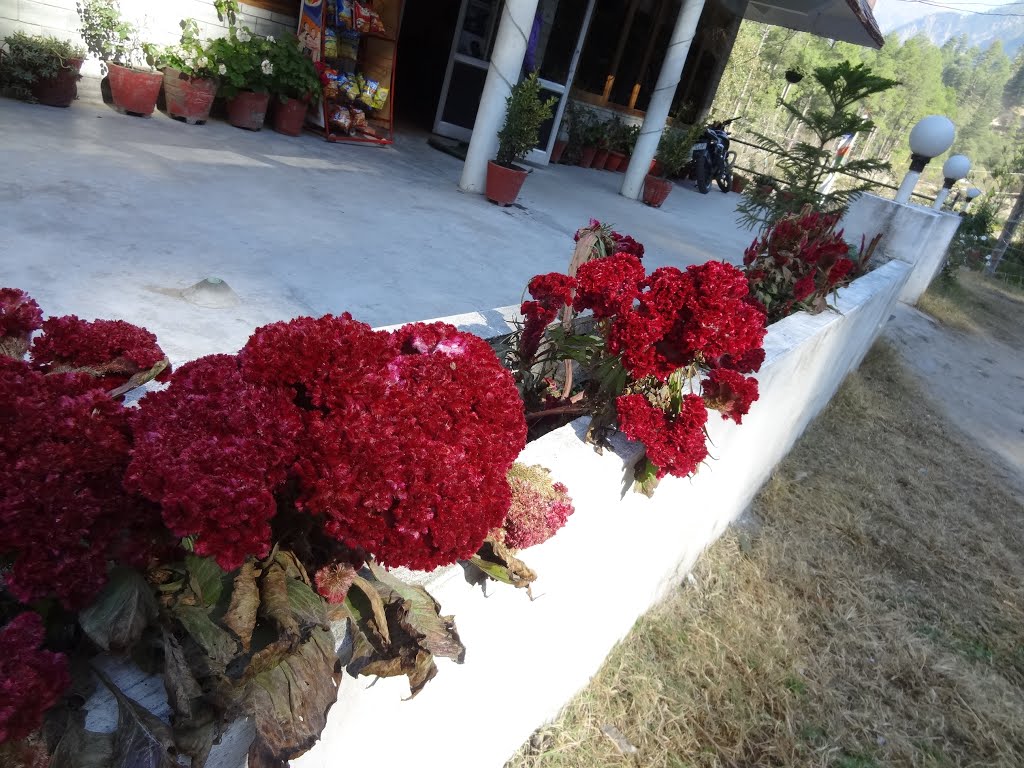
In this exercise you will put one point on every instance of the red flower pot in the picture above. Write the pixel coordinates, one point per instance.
(738, 184)
(503, 184)
(655, 167)
(615, 161)
(656, 191)
(290, 116)
(60, 90)
(587, 158)
(764, 190)
(557, 150)
(133, 91)
(600, 158)
(248, 110)
(189, 98)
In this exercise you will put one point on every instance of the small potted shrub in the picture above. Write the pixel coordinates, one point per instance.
(739, 183)
(600, 140)
(764, 185)
(560, 144)
(190, 76)
(41, 68)
(133, 86)
(294, 82)
(616, 145)
(246, 74)
(673, 153)
(590, 134)
(523, 117)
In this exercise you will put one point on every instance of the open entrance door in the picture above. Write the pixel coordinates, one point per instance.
(556, 41)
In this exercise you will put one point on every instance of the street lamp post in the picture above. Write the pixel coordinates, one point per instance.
(972, 193)
(955, 168)
(932, 136)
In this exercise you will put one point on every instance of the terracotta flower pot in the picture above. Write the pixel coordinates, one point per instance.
(188, 98)
(600, 158)
(503, 184)
(615, 161)
(290, 116)
(738, 184)
(133, 91)
(248, 110)
(656, 191)
(764, 190)
(60, 90)
(786, 195)
(587, 158)
(557, 150)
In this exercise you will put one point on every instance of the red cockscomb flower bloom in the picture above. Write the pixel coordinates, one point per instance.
(31, 680)
(608, 286)
(19, 317)
(626, 244)
(729, 392)
(550, 292)
(804, 287)
(111, 349)
(675, 443)
(540, 507)
(839, 271)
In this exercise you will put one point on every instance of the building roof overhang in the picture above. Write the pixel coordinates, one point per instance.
(848, 20)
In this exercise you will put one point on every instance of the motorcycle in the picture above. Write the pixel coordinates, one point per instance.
(712, 158)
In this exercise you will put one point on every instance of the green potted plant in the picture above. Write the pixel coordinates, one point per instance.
(41, 68)
(764, 185)
(561, 142)
(116, 43)
(674, 151)
(524, 114)
(629, 137)
(294, 82)
(190, 75)
(600, 139)
(590, 134)
(616, 145)
(246, 73)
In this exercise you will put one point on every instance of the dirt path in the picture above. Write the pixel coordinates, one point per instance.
(972, 364)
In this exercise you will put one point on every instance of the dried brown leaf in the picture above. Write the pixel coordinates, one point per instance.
(245, 601)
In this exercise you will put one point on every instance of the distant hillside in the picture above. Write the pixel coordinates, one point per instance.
(981, 29)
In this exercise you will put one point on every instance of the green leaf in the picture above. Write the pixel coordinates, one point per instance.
(373, 602)
(118, 616)
(218, 644)
(499, 563)
(646, 477)
(205, 578)
(79, 748)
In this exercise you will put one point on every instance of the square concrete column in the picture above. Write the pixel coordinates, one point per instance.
(503, 73)
(913, 234)
(661, 99)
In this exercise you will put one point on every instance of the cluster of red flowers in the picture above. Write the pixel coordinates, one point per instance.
(550, 293)
(608, 286)
(540, 507)
(31, 680)
(111, 349)
(397, 443)
(613, 242)
(797, 262)
(674, 441)
(19, 317)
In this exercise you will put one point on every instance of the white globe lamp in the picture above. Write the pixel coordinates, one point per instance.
(972, 193)
(932, 136)
(955, 168)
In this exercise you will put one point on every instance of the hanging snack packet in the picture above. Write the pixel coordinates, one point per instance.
(359, 120)
(341, 119)
(367, 19)
(369, 91)
(380, 98)
(352, 87)
(331, 84)
(348, 45)
(343, 18)
(330, 43)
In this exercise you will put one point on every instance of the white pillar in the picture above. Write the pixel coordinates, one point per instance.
(907, 187)
(661, 99)
(503, 73)
(940, 198)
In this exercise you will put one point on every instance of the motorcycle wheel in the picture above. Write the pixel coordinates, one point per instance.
(725, 180)
(702, 172)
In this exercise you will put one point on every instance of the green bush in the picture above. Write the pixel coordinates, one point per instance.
(294, 75)
(109, 37)
(525, 113)
(675, 149)
(31, 58)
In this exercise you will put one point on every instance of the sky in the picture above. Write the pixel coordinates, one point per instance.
(893, 13)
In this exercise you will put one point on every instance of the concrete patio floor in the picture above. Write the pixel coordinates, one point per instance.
(105, 215)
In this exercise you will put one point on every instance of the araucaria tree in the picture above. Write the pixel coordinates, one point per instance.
(804, 165)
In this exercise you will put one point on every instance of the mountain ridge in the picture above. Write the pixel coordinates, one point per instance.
(981, 29)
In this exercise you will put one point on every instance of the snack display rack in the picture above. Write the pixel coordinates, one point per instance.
(358, 64)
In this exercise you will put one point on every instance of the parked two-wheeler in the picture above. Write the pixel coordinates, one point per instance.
(712, 159)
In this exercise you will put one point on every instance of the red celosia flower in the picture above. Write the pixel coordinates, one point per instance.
(333, 581)
(540, 507)
(626, 244)
(839, 271)
(729, 392)
(674, 442)
(19, 317)
(111, 349)
(608, 286)
(551, 292)
(31, 680)
(212, 449)
(414, 472)
(804, 287)
(64, 446)
(700, 315)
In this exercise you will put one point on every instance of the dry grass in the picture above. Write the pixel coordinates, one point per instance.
(974, 304)
(875, 618)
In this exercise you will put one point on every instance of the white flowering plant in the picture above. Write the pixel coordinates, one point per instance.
(191, 56)
(293, 75)
(242, 60)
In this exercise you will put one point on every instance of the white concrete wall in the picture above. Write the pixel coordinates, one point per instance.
(158, 20)
(911, 233)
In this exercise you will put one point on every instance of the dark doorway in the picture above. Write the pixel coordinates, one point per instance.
(423, 46)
